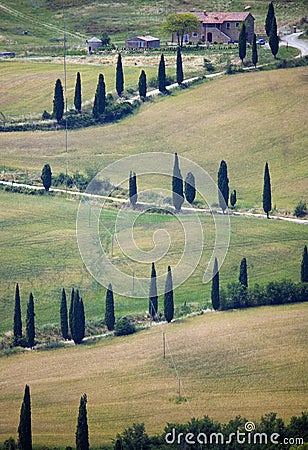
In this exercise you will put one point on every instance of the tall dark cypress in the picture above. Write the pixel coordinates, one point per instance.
(267, 194)
(242, 42)
(273, 38)
(77, 97)
(46, 177)
(215, 286)
(58, 101)
(30, 324)
(162, 75)
(179, 67)
(82, 431)
(70, 314)
(168, 298)
(304, 266)
(177, 185)
(223, 186)
(24, 428)
(119, 76)
(142, 84)
(77, 318)
(269, 18)
(63, 316)
(100, 97)
(109, 311)
(133, 196)
(190, 189)
(17, 317)
(243, 277)
(153, 297)
(254, 51)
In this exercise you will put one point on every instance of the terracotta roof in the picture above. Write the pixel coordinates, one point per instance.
(144, 38)
(220, 17)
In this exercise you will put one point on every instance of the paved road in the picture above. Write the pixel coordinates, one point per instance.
(293, 41)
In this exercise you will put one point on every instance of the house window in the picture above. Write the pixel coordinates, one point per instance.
(228, 25)
(237, 24)
(211, 25)
(195, 35)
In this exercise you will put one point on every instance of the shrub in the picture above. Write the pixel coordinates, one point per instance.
(46, 115)
(124, 327)
(300, 209)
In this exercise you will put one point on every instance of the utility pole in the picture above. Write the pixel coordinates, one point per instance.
(179, 390)
(164, 346)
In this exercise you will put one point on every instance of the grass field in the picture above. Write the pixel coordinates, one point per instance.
(39, 251)
(247, 363)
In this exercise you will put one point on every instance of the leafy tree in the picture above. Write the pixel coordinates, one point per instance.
(153, 297)
(77, 97)
(243, 278)
(168, 299)
(124, 327)
(100, 97)
(242, 42)
(82, 432)
(119, 76)
(269, 18)
(63, 316)
(300, 209)
(109, 312)
(46, 177)
(162, 75)
(135, 438)
(181, 24)
(142, 84)
(17, 317)
(254, 51)
(58, 101)
(77, 317)
(233, 198)
(179, 67)
(133, 196)
(223, 186)
(105, 38)
(304, 266)
(30, 325)
(273, 38)
(177, 185)
(118, 444)
(215, 286)
(24, 428)
(267, 195)
(190, 189)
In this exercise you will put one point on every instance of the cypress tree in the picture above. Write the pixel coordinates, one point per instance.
(267, 195)
(46, 177)
(119, 76)
(179, 67)
(70, 314)
(269, 18)
(233, 198)
(162, 75)
(58, 101)
(254, 50)
(153, 297)
(109, 312)
(77, 318)
(82, 432)
(223, 186)
(215, 286)
(243, 278)
(30, 325)
(24, 428)
(133, 196)
(142, 84)
(77, 97)
(242, 42)
(63, 316)
(177, 185)
(100, 97)
(168, 298)
(17, 317)
(190, 189)
(304, 266)
(273, 38)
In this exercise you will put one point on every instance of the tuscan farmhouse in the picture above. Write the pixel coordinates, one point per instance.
(142, 42)
(220, 27)
(93, 44)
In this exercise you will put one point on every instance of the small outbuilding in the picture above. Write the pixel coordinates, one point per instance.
(142, 42)
(93, 44)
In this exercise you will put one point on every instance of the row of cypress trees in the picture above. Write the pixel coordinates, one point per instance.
(30, 321)
(168, 296)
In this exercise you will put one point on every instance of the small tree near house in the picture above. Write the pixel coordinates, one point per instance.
(267, 194)
(162, 75)
(242, 42)
(58, 101)
(46, 177)
(142, 84)
(119, 76)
